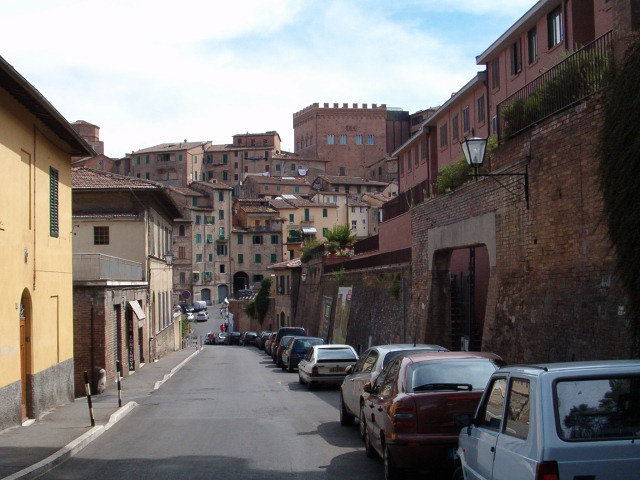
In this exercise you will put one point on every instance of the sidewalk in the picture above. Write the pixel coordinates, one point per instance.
(26, 452)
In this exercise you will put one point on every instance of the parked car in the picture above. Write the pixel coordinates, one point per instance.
(232, 338)
(202, 316)
(269, 342)
(260, 340)
(199, 305)
(326, 364)
(367, 369)
(294, 331)
(190, 316)
(297, 350)
(248, 338)
(284, 342)
(209, 339)
(418, 403)
(220, 337)
(578, 420)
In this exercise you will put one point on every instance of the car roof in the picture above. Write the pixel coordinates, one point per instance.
(333, 345)
(593, 366)
(425, 356)
(394, 347)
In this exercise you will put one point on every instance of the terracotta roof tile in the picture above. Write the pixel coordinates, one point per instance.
(84, 178)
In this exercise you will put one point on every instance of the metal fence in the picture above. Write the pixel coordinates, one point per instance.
(574, 79)
(97, 266)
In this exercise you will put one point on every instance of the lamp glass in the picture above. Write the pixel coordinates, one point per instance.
(474, 149)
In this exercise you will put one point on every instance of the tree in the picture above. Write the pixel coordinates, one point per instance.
(262, 300)
(307, 246)
(341, 235)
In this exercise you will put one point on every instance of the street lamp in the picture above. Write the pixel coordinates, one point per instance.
(474, 149)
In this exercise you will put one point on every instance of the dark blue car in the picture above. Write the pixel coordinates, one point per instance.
(296, 351)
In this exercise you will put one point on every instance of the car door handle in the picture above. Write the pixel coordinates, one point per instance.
(371, 405)
(493, 449)
(379, 409)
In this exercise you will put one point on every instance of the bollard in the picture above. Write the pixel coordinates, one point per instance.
(87, 388)
(118, 375)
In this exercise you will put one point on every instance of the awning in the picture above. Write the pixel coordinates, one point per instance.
(308, 230)
(137, 309)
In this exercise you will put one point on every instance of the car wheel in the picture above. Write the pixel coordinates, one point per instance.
(363, 422)
(391, 470)
(283, 367)
(346, 419)
(458, 474)
(290, 367)
(311, 385)
(368, 448)
(300, 379)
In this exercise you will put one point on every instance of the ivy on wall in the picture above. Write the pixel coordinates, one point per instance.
(619, 157)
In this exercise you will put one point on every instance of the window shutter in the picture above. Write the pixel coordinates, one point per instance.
(53, 202)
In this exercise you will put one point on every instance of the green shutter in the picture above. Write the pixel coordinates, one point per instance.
(240, 258)
(53, 202)
(273, 258)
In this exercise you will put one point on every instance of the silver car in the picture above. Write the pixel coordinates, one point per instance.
(369, 366)
(326, 364)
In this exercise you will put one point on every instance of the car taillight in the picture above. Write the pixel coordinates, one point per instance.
(314, 371)
(403, 414)
(294, 355)
(547, 471)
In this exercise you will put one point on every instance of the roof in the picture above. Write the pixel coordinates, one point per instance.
(262, 179)
(527, 21)
(84, 178)
(378, 196)
(31, 99)
(295, 263)
(171, 147)
(356, 202)
(341, 180)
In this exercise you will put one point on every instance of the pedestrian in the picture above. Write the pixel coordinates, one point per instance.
(221, 328)
(226, 327)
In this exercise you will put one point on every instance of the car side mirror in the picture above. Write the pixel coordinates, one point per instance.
(367, 387)
(348, 370)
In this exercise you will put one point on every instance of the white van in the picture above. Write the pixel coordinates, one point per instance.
(199, 305)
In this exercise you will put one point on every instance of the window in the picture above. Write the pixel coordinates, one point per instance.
(209, 175)
(181, 231)
(195, 159)
(371, 140)
(325, 213)
(495, 73)
(257, 240)
(257, 258)
(354, 224)
(197, 219)
(257, 278)
(277, 188)
(146, 160)
(306, 215)
(274, 239)
(491, 417)
(291, 217)
(210, 257)
(194, 201)
(198, 238)
(480, 109)
(325, 231)
(454, 128)
(240, 258)
(240, 239)
(225, 158)
(198, 257)
(222, 268)
(209, 238)
(196, 276)
(331, 139)
(517, 421)
(138, 160)
(343, 139)
(220, 214)
(183, 277)
(407, 157)
(443, 135)
(516, 57)
(466, 120)
(277, 167)
(266, 187)
(532, 45)
(101, 235)
(358, 139)
(225, 175)
(221, 249)
(54, 225)
(273, 258)
(180, 157)
(182, 253)
(554, 27)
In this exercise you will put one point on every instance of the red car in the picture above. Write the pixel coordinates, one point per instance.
(416, 407)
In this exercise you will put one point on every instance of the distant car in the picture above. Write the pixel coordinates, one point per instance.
(417, 405)
(202, 316)
(248, 338)
(284, 342)
(220, 337)
(199, 305)
(190, 316)
(260, 339)
(369, 366)
(297, 350)
(209, 339)
(232, 338)
(326, 364)
(269, 343)
(577, 420)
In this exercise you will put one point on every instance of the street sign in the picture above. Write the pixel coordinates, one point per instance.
(186, 294)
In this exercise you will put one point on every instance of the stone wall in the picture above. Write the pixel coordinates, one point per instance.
(552, 293)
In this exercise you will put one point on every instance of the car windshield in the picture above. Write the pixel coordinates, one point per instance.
(598, 408)
(463, 374)
(391, 355)
(307, 343)
(335, 354)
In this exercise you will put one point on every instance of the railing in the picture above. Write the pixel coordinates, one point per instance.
(97, 266)
(397, 257)
(222, 238)
(265, 228)
(574, 79)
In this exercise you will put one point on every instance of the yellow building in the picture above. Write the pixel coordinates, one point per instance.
(36, 314)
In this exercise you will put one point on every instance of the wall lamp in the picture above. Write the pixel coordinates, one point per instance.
(474, 149)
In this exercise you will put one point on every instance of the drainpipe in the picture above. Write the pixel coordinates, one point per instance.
(404, 318)
(35, 146)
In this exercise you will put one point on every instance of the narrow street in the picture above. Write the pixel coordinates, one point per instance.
(229, 413)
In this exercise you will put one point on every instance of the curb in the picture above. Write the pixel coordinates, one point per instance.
(71, 448)
(159, 383)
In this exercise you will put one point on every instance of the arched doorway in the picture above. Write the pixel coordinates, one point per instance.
(25, 352)
(223, 292)
(240, 282)
(205, 294)
(283, 319)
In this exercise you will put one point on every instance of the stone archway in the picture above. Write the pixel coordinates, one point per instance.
(25, 319)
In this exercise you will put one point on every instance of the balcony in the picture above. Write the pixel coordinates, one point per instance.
(265, 228)
(571, 81)
(222, 238)
(306, 221)
(96, 266)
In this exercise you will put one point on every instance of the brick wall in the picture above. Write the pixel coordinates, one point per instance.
(552, 294)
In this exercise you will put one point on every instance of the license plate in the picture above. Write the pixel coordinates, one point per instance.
(336, 369)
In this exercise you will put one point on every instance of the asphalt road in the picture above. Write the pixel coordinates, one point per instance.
(229, 414)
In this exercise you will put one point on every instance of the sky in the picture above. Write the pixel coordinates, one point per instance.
(151, 71)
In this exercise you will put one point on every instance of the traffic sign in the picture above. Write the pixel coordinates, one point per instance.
(186, 294)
